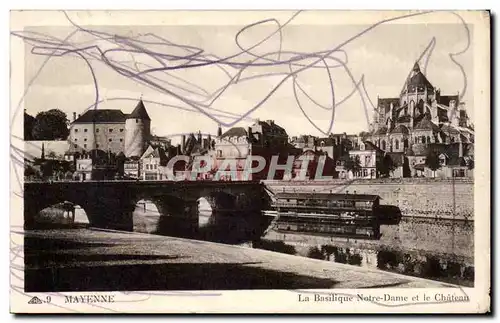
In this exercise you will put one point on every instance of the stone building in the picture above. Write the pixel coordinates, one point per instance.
(369, 155)
(263, 138)
(98, 129)
(151, 163)
(111, 131)
(420, 115)
(406, 126)
(137, 131)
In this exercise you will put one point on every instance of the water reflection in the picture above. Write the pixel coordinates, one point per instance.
(414, 263)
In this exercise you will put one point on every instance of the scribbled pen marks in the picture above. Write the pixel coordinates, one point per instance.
(176, 56)
(167, 56)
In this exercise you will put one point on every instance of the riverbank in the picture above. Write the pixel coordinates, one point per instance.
(181, 264)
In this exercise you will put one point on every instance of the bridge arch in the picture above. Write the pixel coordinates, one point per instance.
(65, 214)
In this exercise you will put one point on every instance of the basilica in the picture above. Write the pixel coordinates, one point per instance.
(419, 121)
(418, 117)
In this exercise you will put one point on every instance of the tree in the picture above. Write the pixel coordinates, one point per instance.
(470, 165)
(385, 166)
(432, 162)
(29, 122)
(352, 163)
(364, 135)
(50, 125)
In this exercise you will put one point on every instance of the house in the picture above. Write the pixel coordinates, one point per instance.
(368, 155)
(132, 168)
(151, 162)
(312, 166)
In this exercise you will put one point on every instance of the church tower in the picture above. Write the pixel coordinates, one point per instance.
(137, 131)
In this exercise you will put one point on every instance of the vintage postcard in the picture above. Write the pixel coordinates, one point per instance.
(250, 162)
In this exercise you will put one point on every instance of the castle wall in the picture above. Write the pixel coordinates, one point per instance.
(105, 136)
(137, 132)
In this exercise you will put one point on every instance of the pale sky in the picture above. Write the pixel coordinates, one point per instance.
(385, 55)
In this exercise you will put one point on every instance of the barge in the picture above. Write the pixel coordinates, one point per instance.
(351, 215)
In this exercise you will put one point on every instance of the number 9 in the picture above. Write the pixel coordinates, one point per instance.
(48, 299)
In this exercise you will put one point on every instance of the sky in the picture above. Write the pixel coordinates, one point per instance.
(185, 99)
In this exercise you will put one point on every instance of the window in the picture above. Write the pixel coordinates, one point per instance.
(365, 172)
(97, 145)
(97, 130)
(121, 139)
(110, 140)
(383, 144)
(84, 139)
(84, 145)
(136, 120)
(85, 130)
(121, 130)
(110, 130)
(76, 139)
(397, 144)
(75, 146)
(76, 130)
(156, 166)
(459, 173)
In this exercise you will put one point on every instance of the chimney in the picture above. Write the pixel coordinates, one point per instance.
(179, 150)
(183, 143)
(199, 137)
(74, 116)
(219, 131)
(250, 136)
(209, 141)
(460, 147)
(78, 115)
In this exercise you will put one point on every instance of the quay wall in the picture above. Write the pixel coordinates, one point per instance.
(416, 197)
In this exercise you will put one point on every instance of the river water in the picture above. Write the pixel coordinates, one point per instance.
(433, 249)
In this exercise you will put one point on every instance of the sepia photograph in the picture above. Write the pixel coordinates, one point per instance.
(250, 161)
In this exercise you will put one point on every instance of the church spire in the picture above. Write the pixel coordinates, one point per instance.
(42, 157)
(416, 68)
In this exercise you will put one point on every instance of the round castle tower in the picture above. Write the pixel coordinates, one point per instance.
(137, 131)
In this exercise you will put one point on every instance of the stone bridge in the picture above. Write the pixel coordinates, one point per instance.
(110, 204)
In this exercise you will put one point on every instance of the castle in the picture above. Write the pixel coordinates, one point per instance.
(111, 131)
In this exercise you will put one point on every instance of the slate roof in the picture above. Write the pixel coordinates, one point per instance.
(400, 129)
(328, 196)
(427, 124)
(448, 129)
(329, 141)
(417, 81)
(385, 103)
(139, 112)
(381, 131)
(101, 116)
(235, 132)
(404, 118)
